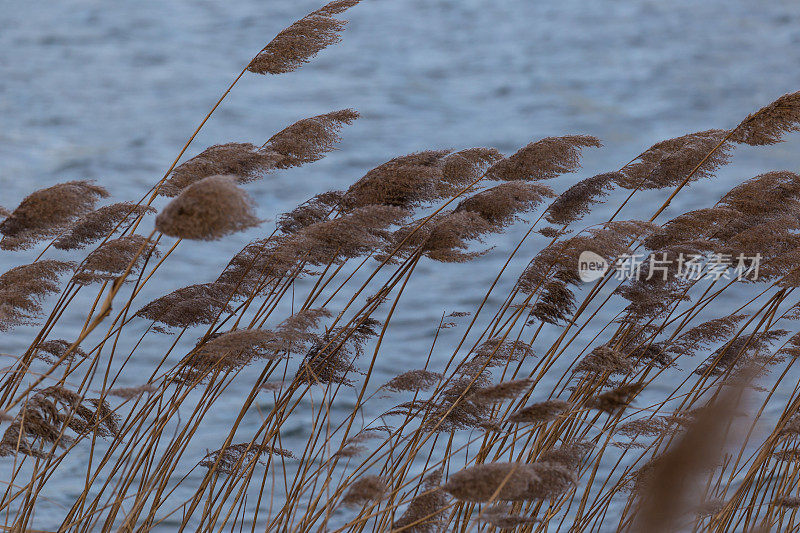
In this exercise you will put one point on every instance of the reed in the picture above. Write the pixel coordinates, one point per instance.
(662, 402)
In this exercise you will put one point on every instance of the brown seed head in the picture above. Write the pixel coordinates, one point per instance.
(99, 223)
(771, 122)
(539, 412)
(301, 41)
(317, 209)
(112, 259)
(668, 163)
(502, 517)
(47, 212)
(244, 160)
(23, 288)
(554, 480)
(129, 393)
(309, 139)
(479, 483)
(501, 204)
(459, 169)
(228, 460)
(604, 359)
(405, 181)
(426, 510)
(364, 490)
(189, 306)
(576, 201)
(502, 391)
(413, 380)
(51, 351)
(543, 159)
(616, 400)
(208, 210)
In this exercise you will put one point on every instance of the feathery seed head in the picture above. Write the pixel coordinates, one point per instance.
(23, 288)
(99, 223)
(616, 400)
(511, 481)
(413, 380)
(500, 204)
(771, 122)
(112, 259)
(425, 513)
(575, 202)
(364, 490)
(668, 163)
(304, 39)
(47, 212)
(543, 159)
(539, 412)
(244, 160)
(208, 210)
(309, 139)
(189, 306)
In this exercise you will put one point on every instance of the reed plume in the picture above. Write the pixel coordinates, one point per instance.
(425, 511)
(225, 460)
(99, 223)
(570, 455)
(244, 160)
(575, 202)
(771, 122)
(112, 259)
(352, 235)
(499, 205)
(309, 139)
(502, 516)
(352, 446)
(231, 351)
(47, 414)
(332, 357)
(543, 159)
(667, 163)
(604, 359)
(741, 351)
(405, 181)
(189, 306)
(616, 400)
(23, 289)
(303, 40)
(47, 212)
(413, 380)
(317, 209)
(509, 481)
(705, 334)
(130, 393)
(364, 490)
(305, 141)
(54, 350)
(539, 412)
(208, 210)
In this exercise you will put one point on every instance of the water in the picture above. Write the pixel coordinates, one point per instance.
(111, 91)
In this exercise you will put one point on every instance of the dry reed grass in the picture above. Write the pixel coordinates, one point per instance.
(624, 429)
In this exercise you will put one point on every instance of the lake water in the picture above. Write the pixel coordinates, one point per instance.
(111, 91)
